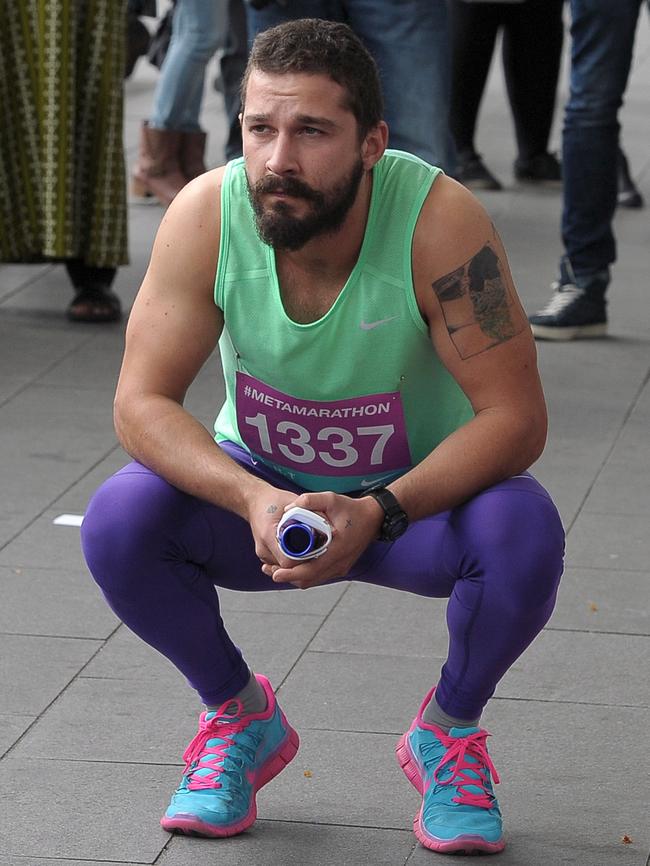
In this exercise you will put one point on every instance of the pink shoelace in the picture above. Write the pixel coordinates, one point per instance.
(223, 725)
(465, 772)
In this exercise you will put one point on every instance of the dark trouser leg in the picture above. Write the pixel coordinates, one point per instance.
(602, 44)
(474, 28)
(84, 276)
(532, 47)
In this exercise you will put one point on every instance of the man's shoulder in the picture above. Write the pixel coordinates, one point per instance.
(449, 207)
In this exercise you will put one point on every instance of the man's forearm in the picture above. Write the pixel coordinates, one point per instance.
(163, 436)
(490, 448)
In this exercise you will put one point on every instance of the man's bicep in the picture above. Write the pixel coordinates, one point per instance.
(169, 337)
(466, 293)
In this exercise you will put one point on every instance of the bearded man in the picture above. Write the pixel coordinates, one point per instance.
(379, 371)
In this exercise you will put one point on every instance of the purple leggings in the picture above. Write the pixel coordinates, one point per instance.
(158, 555)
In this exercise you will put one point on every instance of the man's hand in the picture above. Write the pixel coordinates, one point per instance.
(355, 524)
(264, 516)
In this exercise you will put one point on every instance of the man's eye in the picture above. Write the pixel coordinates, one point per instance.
(311, 130)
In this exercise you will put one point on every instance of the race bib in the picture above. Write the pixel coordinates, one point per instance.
(358, 436)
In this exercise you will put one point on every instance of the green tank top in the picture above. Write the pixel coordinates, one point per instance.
(357, 397)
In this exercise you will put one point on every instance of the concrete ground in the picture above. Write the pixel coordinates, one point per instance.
(93, 723)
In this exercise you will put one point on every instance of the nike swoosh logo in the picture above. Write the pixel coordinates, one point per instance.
(375, 481)
(368, 326)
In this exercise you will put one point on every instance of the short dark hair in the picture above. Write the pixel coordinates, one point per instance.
(316, 46)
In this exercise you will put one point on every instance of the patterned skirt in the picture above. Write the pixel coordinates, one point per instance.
(62, 175)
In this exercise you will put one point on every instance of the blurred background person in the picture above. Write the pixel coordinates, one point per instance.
(172, 142)
(62, 176)
(532, 35)
(232, 63)
(602, 45)
(409, 41)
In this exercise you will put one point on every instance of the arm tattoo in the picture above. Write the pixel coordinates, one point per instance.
(476, 304)
(271, 509)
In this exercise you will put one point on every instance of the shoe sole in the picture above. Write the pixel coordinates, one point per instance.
(459, 845)
(190, 825)
(579, 332)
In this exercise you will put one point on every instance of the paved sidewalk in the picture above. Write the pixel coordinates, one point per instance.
(93, 723)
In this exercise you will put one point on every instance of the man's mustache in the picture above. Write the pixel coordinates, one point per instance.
(287, 186)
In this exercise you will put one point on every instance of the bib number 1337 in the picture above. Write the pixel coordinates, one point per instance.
(356, 436)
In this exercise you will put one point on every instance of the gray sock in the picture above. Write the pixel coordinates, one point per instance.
(252, 697)
(434, 715)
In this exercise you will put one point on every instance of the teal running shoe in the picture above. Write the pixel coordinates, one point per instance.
(453, 772)
(228, 761)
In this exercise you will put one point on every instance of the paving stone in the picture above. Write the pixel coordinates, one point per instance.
(75, 500)
(12, 727)
(617, 541)
(86, 811)
(380, 621)
(44, 454)
(352, 780)
(13, 277)
(57, 602)
(27, 352)
(270, 642)
(43, 544)
(622, 487)
(537, 748)
(94, 365)
(594, 599)
(33, 670)
(17, 860)
(125, 656)
(580, 667)
(270, 843)
(115, 721)
(352, 691)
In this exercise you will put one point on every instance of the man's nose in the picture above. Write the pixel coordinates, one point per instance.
(282, 158)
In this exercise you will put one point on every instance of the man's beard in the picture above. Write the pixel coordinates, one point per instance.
(276, 225)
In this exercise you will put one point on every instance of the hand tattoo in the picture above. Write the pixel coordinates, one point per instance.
(477, 305)
(271, 509)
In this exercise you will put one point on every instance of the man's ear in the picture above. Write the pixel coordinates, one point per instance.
(374, 145)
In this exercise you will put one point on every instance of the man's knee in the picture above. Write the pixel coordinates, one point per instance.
(516, 533)
(122, 527)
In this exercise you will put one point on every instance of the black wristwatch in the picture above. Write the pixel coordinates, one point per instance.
(395, 519)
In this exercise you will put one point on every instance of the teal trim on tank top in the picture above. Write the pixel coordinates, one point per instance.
(368, 358)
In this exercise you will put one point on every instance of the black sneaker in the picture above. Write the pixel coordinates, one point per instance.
(473, 173)
(571, 314)
(543, 168)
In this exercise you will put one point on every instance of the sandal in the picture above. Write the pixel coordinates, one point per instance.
(95, 304)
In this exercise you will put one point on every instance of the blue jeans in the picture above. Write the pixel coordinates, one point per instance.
(601, 54)
(409, 40)
(197, 32)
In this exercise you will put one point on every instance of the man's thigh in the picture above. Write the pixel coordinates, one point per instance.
(602, 42)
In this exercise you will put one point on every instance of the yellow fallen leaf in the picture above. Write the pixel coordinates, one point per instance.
(593, 607)
(308, 774)
(626, 840)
